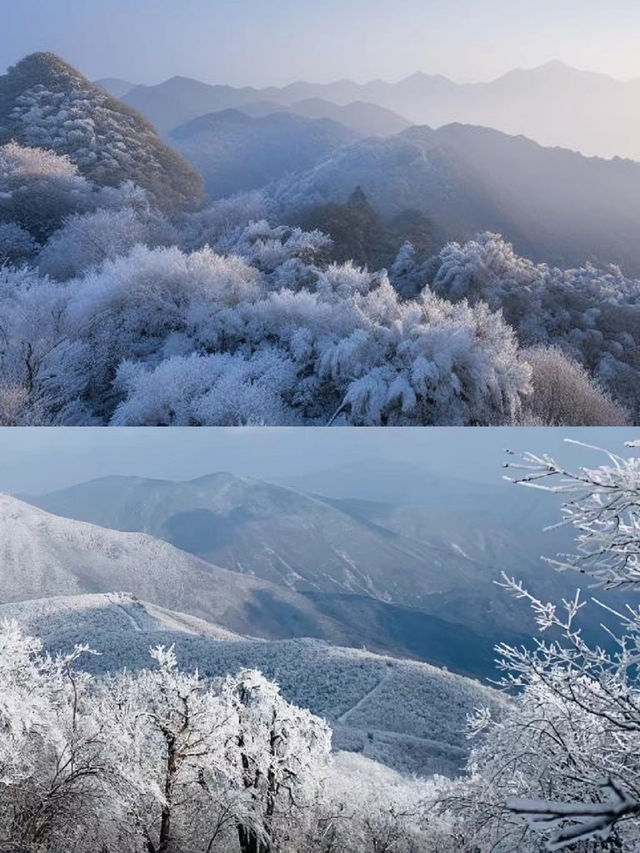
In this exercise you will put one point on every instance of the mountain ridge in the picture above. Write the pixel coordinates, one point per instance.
(551, 116)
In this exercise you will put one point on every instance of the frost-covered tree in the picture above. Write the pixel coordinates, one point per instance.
(603, 505)
(172, 752)
(590, 313)
(164, 337)
(59, 783)
(16, 244)
(277, 758)
(40, 190)
(564, 394)
(366, 806)
(33, 329)
(565, 753)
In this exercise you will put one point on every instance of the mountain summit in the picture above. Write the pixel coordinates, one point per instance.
(46, 103)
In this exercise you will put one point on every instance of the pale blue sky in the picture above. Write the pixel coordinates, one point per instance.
(41, 459)
(266, 42)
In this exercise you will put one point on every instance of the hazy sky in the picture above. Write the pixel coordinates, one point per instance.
(41, 459)
(266, 42)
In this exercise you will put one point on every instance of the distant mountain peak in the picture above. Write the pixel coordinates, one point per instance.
(419, 76)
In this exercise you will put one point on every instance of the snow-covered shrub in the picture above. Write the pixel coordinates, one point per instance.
(87, 240)
(222, 221)
(39, 188)
(565, 395)
(16, 244)
(345, 349)
(160, 336)
(591, 314)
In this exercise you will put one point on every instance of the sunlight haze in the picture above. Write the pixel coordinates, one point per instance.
(251, 42)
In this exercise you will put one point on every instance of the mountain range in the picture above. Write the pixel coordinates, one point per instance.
(235, 152)
(554, 104)
(461, 179)
(45, 555)
(415, 579)
(362, 610)
(549, 202)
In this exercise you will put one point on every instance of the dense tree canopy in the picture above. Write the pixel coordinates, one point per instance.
(113, 313)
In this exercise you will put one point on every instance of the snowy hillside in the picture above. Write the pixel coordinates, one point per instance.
(406, 714)
(548, 201)
(276, 533)
(44, 555)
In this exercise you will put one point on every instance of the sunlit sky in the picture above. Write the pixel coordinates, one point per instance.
(274, 42)
(34, 460)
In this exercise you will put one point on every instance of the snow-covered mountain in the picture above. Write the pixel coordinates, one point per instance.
(282, 535)
(549, 202)
(406, 714)
(415, 578)
(45, 555)
(46, 103)
(415, 581)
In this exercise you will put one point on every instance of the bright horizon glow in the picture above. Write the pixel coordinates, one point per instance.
(235, 41)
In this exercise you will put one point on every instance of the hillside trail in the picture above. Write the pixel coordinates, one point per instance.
(343, 717)
(134, 623)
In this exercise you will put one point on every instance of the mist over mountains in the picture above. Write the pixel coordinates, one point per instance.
(554, 104)
(236, 152)
(475, 167)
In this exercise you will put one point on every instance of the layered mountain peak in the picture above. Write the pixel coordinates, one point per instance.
(46, 103)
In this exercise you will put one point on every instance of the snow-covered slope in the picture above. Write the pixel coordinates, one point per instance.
(549, 202)
(406, 714)
(277, 533)
(411, 580)
(44, 555)
(236, 152)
